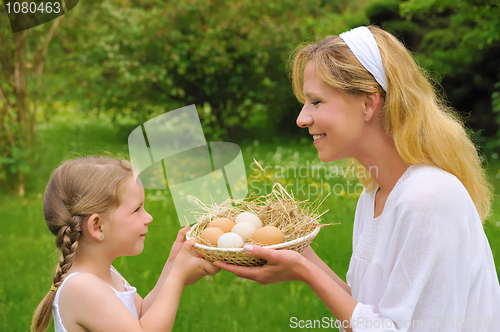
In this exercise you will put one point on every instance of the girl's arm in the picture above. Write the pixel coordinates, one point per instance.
(311, 256)
(88, 302)
(162, 312)
(186, 269)
(137, 300)
(287, 265)
(176, 247)
(95, 306)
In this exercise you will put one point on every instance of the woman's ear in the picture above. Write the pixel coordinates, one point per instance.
(95, 227)
(373, 103)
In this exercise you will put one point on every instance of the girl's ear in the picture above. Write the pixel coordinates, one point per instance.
(373, 103)
(95, 227)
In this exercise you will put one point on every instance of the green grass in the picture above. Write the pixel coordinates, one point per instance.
(220, 303)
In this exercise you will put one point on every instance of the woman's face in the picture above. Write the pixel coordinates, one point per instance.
(336, 120)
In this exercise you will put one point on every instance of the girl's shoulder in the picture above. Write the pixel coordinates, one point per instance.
(82, 286)
(85, 297)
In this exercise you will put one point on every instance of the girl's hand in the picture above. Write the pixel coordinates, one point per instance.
(282, 265)
(189, 266)
(174, 253)
(176, 247)
(179, 241)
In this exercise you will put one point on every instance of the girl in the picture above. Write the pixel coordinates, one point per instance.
(421, 260)
(96, 210)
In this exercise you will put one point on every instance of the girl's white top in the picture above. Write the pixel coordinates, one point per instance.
(425, 263)
(126, 297)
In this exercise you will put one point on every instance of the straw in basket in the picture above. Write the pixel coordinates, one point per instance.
(297, 219)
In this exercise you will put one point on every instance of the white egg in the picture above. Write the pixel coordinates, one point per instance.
(244, 229)
(230, 240)
(248, 217)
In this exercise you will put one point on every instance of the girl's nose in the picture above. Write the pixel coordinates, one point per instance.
(148, 219)
(304, 119)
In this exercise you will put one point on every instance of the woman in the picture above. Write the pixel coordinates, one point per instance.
(421, 260)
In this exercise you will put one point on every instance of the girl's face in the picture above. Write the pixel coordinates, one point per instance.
(128, 224)
(335, 119)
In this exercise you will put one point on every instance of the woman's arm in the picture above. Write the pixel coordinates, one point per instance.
(287, 265)
(311, 256)
(338, 300)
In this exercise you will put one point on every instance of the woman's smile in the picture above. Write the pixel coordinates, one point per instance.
(318, 138)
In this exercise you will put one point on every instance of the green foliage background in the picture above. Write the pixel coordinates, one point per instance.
(220, 303)
(135, 59)
(113, 64)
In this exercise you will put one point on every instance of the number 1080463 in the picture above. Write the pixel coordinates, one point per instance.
(33, 7)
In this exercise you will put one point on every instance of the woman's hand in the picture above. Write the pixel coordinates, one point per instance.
(282, 265)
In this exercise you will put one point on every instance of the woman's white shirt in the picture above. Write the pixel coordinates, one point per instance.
(425, 263)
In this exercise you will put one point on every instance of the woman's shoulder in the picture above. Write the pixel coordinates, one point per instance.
(433, 189)
(427, 173)
(431, 182)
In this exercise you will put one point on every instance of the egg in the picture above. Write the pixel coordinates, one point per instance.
(230, 240)
(225, 224)
(211, 235)
(248, 217)
(268, 235)
(244, 229)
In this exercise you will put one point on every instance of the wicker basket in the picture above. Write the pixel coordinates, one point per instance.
(237, 256)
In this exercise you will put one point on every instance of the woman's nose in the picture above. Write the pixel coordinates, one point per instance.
(305, 118)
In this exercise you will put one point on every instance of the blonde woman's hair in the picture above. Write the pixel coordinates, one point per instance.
(77, 189)
(424, 129)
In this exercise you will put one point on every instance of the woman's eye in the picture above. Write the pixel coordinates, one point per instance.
(314, 103)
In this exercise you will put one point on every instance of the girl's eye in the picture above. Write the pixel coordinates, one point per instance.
(314, 103)
(137, 209)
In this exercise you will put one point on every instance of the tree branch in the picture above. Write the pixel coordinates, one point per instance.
(42, 49)
(20, 81)
(4, 143)
(39, 65)
(6, 108)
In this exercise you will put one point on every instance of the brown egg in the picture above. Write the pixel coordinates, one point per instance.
(268, 235)
(225, 224)
(212, 235)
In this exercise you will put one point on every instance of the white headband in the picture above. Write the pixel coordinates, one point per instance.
(362, 43)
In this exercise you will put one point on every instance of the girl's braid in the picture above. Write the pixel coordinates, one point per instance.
(67, 242)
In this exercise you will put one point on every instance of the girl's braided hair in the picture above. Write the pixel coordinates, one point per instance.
(77, 189)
